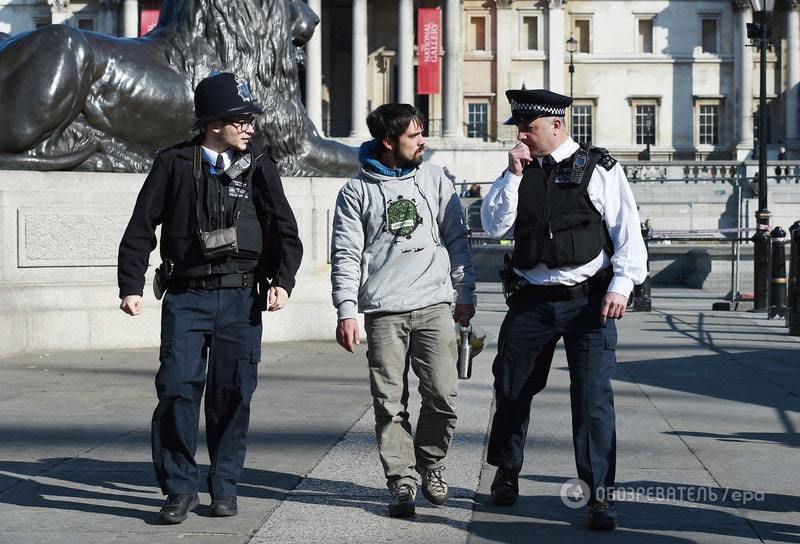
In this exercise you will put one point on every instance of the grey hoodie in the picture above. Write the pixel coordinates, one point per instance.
(399, 243)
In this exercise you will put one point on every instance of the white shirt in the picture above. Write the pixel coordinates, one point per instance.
(611, 195)
(210, 156)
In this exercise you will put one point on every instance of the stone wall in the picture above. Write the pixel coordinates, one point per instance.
(59, 234)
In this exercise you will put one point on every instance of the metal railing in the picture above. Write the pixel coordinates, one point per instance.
(716, 260)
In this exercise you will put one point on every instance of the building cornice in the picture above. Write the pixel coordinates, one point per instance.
(556, 4)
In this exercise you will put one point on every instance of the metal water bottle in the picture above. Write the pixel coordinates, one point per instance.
(464, 363)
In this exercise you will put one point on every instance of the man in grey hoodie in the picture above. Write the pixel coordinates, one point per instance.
(399, 250)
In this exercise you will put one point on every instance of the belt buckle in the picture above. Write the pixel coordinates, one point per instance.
(213, 283)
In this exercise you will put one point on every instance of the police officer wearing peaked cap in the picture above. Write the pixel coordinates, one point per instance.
(230, 249)
(578, 251)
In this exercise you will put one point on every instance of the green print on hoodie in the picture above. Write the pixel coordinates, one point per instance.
(399, 243)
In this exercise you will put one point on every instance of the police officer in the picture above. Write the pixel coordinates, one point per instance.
(578, 251)
(230, 249)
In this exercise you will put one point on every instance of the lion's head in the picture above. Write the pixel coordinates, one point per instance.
(257, 39)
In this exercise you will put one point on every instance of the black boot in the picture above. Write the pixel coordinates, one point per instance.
(222, 507)
(505, 486)
(176, 507)
(602, 516)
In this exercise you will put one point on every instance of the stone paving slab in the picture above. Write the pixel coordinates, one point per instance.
(344, 499)
(708, 408)
(75, 447)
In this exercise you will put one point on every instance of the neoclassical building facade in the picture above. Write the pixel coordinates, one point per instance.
(679, 75)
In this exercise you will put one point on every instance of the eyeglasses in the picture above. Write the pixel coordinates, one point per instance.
(241, 124)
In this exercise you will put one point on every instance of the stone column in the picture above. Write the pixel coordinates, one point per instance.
(453, 71)
(505, 50)
(792, 72)
(743, 67)
(130, 18)
(59, 11)
(314, 69)
(358, 105)
(405, 52)
(555, 46)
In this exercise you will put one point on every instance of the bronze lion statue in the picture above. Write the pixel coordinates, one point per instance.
(74, 99)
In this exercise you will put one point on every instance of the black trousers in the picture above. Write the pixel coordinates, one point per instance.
(223, 327)
(528, 338)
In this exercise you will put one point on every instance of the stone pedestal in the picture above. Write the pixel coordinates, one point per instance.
(58, 287)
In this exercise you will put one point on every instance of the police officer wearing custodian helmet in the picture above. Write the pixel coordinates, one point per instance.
(230, 249)
(578, 251)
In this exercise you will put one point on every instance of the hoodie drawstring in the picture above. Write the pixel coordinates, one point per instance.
(434, 222)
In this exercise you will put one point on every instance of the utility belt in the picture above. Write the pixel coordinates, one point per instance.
(223, 281)
(551, 293)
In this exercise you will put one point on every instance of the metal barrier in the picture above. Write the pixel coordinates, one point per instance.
(690, 260)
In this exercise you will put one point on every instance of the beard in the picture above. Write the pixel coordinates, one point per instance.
(406, 162)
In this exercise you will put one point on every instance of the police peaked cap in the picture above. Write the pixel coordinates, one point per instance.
(222, 95)
(527, 105)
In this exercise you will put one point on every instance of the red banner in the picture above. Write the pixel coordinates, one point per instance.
(429, 41)
(148, 19)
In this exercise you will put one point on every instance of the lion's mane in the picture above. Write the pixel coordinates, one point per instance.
(251, 38)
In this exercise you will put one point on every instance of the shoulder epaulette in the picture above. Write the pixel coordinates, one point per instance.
(606, 160)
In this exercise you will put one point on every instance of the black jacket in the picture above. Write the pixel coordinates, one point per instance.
(168, 198)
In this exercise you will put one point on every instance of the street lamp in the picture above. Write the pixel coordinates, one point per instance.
(758, 32)
(572, 46)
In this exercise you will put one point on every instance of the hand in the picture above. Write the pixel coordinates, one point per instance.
(518, 158)
(613, 307)
(276, 298)
(131, 305)
(347, 334)
(463, 313)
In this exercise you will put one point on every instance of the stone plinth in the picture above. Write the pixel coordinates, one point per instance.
(59, 236)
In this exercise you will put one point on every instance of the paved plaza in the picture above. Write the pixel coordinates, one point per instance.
(708, 408)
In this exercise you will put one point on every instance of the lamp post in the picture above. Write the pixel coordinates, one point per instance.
(758, 33)
(572, 46)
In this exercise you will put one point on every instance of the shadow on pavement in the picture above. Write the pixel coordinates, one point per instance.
(91, 485)
(698, 510)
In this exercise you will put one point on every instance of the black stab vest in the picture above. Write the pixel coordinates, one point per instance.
(556, 221)
(248, 229)
(220, 196)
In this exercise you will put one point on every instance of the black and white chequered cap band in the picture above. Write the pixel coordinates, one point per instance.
(528, 107)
